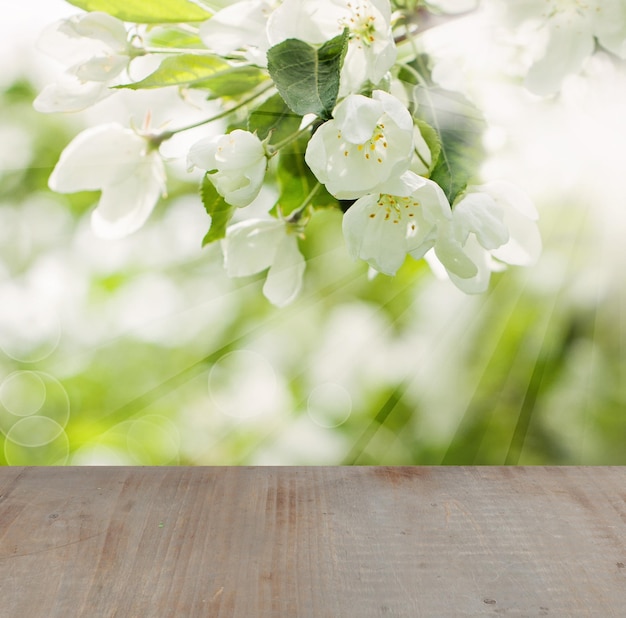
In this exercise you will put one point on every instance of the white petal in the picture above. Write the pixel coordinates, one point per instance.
(570, 43)
(450, 253)
(101, 68)
(250, 246)
(236, 27)
(524, 245)
(478, 213)
(284, 278)
(481, 259)
(403, 185)
(520, 215)
(202, 154)
(375, 236)
(102, 27)
(97, 157)
(610, 26)
(313, 21)
(356, 117)
(69, 94)
(125, 206)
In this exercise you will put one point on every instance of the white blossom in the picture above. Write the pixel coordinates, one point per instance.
(382, 229)
(371, 47)
(240, 26)
(491, 224)
(565, 33)
(236, 163)
(254, 245)
(96, 47)
(367, 142)
(120, 163)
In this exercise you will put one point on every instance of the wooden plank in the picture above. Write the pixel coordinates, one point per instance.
(320, 542)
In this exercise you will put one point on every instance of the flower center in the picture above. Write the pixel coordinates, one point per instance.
(362, 23)
(394, 209)
(566, 6)
(374, 149)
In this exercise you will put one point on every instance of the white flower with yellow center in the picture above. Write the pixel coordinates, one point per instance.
(123, 165)
(371, 47)
(368, 142)
(565, 33)
(382, 229)
(236, 163)
(254, 245)
(96, 47)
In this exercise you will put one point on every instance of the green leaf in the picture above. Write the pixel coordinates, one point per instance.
(460, 127)
(142, 12)
(306, 77)
(172, 36)
(431, 137)
(217, 208)
(296, 180)
(209, 72)
(273, 116)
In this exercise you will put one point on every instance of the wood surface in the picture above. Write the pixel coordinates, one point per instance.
(340, 542)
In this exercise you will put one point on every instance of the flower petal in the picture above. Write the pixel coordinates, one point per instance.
(125, 206)
(570, 42)
(284, 278)
(97, 157)
(69, 94)
(250, 246)
(478, 213)
(375, 235)
(356, 117)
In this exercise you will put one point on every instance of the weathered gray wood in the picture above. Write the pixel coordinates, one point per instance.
(299, 542)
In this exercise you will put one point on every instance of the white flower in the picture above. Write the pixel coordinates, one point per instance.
(236, 163)
(491, 224)
(566, 31)
(123, 166)
(96, 47)
(253, 245)
(381, 228)
(368, 142)
(371, 48)
(240, 26)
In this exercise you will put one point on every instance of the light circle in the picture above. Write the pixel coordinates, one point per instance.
(329, 405)
(34, 431)
(23, 393)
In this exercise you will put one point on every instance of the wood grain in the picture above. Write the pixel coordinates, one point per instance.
(320, 542)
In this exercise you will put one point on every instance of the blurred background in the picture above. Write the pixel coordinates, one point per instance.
(142, 352)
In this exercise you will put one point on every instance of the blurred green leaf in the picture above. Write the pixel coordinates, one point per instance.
(431, 137)
(296, 180)
(217, 208)
(306, 77)
(153, 12)
(460, 127)
(273, 116)
(209, 72)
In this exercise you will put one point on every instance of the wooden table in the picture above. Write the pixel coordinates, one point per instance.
(297, 542)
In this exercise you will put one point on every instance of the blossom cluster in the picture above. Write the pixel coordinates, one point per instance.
(329, 102)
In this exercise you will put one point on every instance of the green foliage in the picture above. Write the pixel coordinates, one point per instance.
(306, 77)
(173, 37)
(141, 12)
(217, 208)
(431, 137)
(273, 116)
(460, 127)
(296, 180)
(207, 72)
